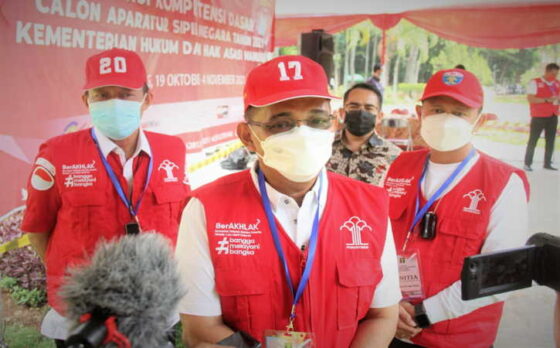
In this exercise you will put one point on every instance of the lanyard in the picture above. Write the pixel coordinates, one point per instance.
(419, 213)
(280, 251)
(117, 185)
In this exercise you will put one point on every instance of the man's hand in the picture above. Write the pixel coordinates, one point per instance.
(406, 327)
(203, 332)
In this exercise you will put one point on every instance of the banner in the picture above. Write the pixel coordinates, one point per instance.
(196, 52)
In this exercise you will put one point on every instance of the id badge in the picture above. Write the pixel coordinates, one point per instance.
(288, 339)
(410, 276)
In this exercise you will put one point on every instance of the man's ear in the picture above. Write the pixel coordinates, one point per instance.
(482, 118)
(419, 112)
(341, 115)
(85, 100)
(147, 101)
(244, 134)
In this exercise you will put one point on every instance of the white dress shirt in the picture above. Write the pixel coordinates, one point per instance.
(55, 325)
(197, 271)
(107, 146)
(508, 228)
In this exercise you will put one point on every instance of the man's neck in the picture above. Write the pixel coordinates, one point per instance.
(128, 144)
(355, 142)
(296, 190)
(447, 157)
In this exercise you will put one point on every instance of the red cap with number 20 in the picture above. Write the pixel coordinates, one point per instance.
(115, 67)
(284, 78)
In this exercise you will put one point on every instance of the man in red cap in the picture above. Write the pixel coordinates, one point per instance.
(287, 252)
(103, 182)
(448, 202)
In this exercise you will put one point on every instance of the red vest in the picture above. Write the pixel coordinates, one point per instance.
(249, 277)
(462, 224)
(90, 209)
(545, 91)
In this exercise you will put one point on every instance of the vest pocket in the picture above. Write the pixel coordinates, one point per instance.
(85, 209)
(168, 205)
(245, 299)
(357, 280)
(460, 239)
(169, 193)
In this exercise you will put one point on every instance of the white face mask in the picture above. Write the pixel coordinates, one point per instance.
(298, 154)
(446, 132)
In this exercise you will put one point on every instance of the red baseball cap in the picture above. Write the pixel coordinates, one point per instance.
(458, 84)
(284, 78)
(115, 67)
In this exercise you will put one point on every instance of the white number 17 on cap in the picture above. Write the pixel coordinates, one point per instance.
(293, 64)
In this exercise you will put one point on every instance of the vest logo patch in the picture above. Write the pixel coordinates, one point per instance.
(79, 175)
(355, 226)
(397, 187)
(168, 167)
(237, 229)
(476, 196)
(42, 178)
(237, 246)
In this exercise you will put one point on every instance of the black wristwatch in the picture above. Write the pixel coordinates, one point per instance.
(421, 317)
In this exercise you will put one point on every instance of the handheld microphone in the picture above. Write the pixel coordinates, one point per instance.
(130, 288)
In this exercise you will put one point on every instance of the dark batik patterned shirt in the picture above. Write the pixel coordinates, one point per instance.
(369, 164)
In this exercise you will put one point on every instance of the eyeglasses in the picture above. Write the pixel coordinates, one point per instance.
(284, 124)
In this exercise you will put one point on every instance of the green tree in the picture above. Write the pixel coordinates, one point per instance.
(454, 53)
(509, 65)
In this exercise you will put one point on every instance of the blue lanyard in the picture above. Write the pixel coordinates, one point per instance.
(419, 214)
(117, 185)
(280, 251)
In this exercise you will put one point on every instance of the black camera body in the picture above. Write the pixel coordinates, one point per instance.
(509, 270)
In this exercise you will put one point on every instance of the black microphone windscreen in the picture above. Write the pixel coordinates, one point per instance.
(136, 280)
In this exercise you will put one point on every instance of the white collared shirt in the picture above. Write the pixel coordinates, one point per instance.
(107, 146)
(508, 228)
(55, 325)
(197, 271)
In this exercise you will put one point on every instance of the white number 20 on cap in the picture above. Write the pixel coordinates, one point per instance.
(292, 65)
(108, 65)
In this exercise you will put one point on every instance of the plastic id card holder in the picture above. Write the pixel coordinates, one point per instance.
(410, 276)
(288, 339)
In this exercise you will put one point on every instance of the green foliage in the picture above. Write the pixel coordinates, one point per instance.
(455, 53)
(420, 54)
(411, 87)
(22, 296)
(178, 335)
(515, 99)
(8, 283)
(31, 298)
(24, 337)
(509, 65)
(289, 50)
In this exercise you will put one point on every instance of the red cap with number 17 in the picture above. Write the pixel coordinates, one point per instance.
(284, 78)
(115, 67)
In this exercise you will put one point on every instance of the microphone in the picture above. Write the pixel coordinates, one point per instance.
(125, 295)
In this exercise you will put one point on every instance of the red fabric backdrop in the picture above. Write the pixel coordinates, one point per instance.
(498, 27)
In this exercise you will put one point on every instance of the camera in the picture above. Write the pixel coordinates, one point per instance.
(514, 269)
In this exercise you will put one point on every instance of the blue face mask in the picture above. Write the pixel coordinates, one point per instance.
(116, 118)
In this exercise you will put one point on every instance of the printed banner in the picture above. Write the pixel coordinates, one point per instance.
(197, 54)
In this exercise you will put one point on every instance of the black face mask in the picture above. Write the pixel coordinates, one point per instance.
(359, 122)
